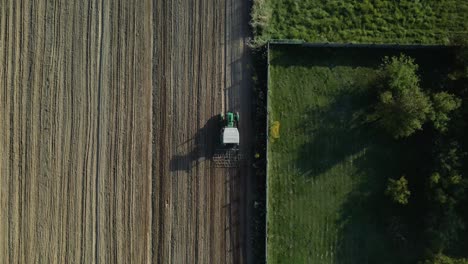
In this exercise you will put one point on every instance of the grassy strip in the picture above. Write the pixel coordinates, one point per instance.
(261, 15)
(368, 21)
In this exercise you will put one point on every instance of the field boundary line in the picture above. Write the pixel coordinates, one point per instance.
(267, 128)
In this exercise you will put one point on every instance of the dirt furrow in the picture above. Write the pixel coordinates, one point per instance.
(107, 125)
(57, 56)
(196, 218)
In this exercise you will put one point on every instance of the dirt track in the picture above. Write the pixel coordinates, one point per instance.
(105, 131)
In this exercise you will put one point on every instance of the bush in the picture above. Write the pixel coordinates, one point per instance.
(443, 104)
(443, 259)
(446, 192)
(398, 190)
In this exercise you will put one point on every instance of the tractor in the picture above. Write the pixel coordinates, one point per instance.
(229, 133)
(227, 154)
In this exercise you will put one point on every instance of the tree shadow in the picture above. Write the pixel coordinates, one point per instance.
(341, 132)
(427, 58)
(338, 131)
(328, 57)
(370, 227)
(204, 142)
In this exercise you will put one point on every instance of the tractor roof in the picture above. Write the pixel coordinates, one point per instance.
(230, 116)
(231, 135)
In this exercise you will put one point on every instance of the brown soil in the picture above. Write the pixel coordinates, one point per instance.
(199, 211)
(106, 130)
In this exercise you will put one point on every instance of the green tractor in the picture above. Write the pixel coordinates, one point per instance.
(229, 132)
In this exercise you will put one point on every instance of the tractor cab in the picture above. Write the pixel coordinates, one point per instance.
(230, 119)
(229, 132)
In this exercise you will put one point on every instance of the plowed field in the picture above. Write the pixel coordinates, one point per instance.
(106, 129)
(201, 64)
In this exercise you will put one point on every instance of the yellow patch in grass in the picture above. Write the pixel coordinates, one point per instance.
(275, 130)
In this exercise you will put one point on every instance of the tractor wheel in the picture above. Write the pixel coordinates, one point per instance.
(237, 116)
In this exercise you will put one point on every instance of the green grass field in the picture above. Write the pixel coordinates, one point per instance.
(328, 168)
(364, 21)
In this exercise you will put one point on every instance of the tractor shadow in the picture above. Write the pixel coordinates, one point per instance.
(201, 147)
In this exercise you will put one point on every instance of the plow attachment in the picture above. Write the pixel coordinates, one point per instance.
(227, 158)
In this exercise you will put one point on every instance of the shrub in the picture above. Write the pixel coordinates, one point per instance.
(443, 259)
(398, 190)
(439, 259)
(443, 104)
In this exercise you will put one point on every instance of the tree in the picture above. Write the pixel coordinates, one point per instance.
(402, 108)
(446, 192)
(398, 190)
(443, 104)
(443, 259)
(461, 59)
